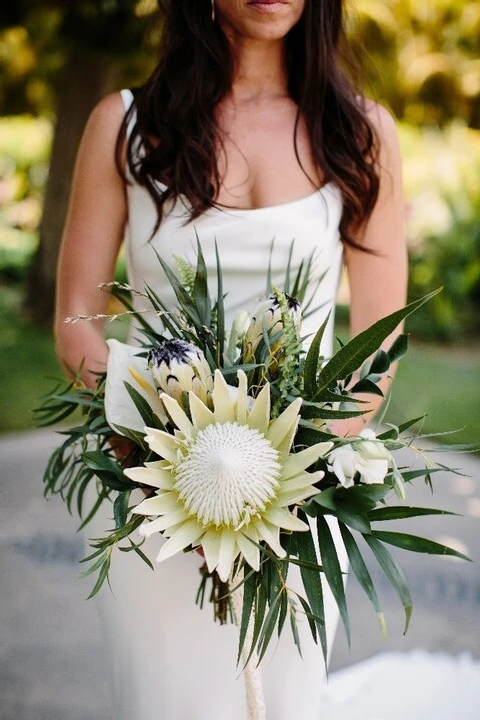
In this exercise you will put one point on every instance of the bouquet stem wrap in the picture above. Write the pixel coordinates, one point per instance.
(252, 676)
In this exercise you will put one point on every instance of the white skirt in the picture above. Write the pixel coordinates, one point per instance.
(170, 661)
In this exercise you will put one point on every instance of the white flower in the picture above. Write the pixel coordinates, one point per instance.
(125, 364)
(226, 478)
(268, 317)
(240, 323)
(368, 457)
(371, 448)
(342, 462)
(178, 366)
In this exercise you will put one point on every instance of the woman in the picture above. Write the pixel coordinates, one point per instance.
(248, 130)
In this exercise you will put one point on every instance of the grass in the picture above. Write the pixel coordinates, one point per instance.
(443, 382)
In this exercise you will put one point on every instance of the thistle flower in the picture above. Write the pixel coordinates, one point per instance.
(178, 366)
(226, 478)
(268, 317)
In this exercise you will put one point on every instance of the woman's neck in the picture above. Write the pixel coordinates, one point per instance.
(259, 69)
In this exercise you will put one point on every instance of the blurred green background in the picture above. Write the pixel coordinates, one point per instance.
(421, 59)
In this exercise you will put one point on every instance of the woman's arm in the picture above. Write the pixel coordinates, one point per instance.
(378, 282)
(90, 244)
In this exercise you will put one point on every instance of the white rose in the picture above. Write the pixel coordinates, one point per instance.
(370, 448)
(372, 471)
(368, 457)
(342, 462)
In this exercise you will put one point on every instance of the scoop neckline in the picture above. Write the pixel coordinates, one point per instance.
(279, 206)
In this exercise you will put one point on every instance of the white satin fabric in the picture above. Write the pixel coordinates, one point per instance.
(169, 660)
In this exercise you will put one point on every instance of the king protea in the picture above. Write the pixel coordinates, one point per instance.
(227, 477)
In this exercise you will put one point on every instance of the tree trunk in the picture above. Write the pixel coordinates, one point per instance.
(85, 79)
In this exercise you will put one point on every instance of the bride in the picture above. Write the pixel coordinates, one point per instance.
(247, 130)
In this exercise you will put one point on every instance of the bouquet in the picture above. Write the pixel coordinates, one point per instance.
(227, 432)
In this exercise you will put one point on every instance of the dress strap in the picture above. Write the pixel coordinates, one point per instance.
(128, 100)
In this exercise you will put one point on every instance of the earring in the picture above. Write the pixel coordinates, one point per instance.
(213, 10)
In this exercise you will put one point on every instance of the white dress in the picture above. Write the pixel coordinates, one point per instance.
(169, 660)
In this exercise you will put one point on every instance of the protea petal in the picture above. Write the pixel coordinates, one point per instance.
(302, 481)
(162, 443)
(158, 505)
(294, 464)
(250, 552)
(242, 398)
(201, 415)
(162, 524)
(271, 534)
(259, 415)
(283, 425)
(186, 535)
(155, 477)
(211, 547)
(284, 519)
(292, 497)
(176, 413)
(224, 406)
(227, 555)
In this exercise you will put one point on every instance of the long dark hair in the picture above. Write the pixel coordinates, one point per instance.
(176, 106)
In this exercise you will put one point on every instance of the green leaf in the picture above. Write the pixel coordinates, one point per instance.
(137, 437)
(283, 613)
(220, 309)
(312, 583)
(394, 573)
(399, 348)
(325, 414)
(136, 549)
(102, 576)
(269, 626)
(350, 357)
(120, 508)
(286, 285)
(109, 472)
(396, 431)
(312, 619)
(400, 512)
(409, 475)
(310, 368)
(351, 514)
(269, 270)
(332, 570)
(181, 293)
(249, 589)
(367, 386)
(260, 607)
(416, 544)
(380, 363)
(200, 289)
(146, 412)
(362, 574)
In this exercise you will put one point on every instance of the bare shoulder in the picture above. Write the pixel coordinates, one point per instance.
(106, 117)
(100, 136)
(385, 126)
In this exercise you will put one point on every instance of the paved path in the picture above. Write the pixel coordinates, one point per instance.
(51, 652)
